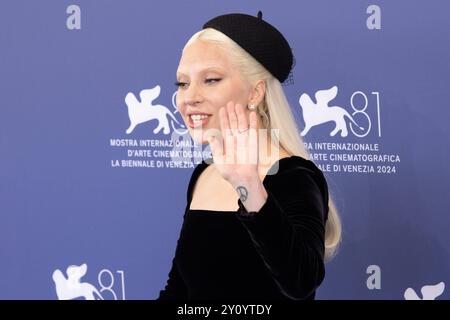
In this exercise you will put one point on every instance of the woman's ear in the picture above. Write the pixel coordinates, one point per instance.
(258, 92)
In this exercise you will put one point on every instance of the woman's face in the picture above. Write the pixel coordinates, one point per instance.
(206, 82)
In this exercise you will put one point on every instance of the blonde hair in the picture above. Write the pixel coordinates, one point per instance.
(275, 113)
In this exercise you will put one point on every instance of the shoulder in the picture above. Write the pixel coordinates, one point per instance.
(297, 176)
(295, 165)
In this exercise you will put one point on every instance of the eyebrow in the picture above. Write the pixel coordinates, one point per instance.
(215, 69)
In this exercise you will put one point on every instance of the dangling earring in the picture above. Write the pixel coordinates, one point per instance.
(251, 107)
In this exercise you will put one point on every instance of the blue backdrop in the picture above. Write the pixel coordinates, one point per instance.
(87, 208)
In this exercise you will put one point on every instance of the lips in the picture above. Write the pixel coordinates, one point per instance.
(196, 120)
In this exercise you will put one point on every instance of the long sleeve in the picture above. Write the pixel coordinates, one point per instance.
(175, 288)
(288, 231)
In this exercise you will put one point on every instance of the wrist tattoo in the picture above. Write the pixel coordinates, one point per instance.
(243, 193)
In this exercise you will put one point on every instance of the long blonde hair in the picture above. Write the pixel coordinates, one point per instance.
(275, 113)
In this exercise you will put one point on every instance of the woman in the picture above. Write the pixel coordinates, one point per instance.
(258, 222)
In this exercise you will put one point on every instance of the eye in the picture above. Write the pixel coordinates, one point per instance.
(180, 84)
(212, 80)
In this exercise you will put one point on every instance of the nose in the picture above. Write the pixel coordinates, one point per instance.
(192, 95)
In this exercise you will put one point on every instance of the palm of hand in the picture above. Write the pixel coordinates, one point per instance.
(235, 153)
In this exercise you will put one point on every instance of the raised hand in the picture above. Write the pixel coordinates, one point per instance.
(235, 153)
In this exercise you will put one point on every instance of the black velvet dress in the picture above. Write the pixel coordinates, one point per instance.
(276, 253)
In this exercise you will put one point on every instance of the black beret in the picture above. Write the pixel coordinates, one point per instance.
(259, 38)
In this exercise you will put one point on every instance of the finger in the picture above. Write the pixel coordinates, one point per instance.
(224, 122)
(242, 137)
(253, 150)
(242, 148)
(229, 148)
(253, 119)
(242, 118)
(216, 149)
(232, 118)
